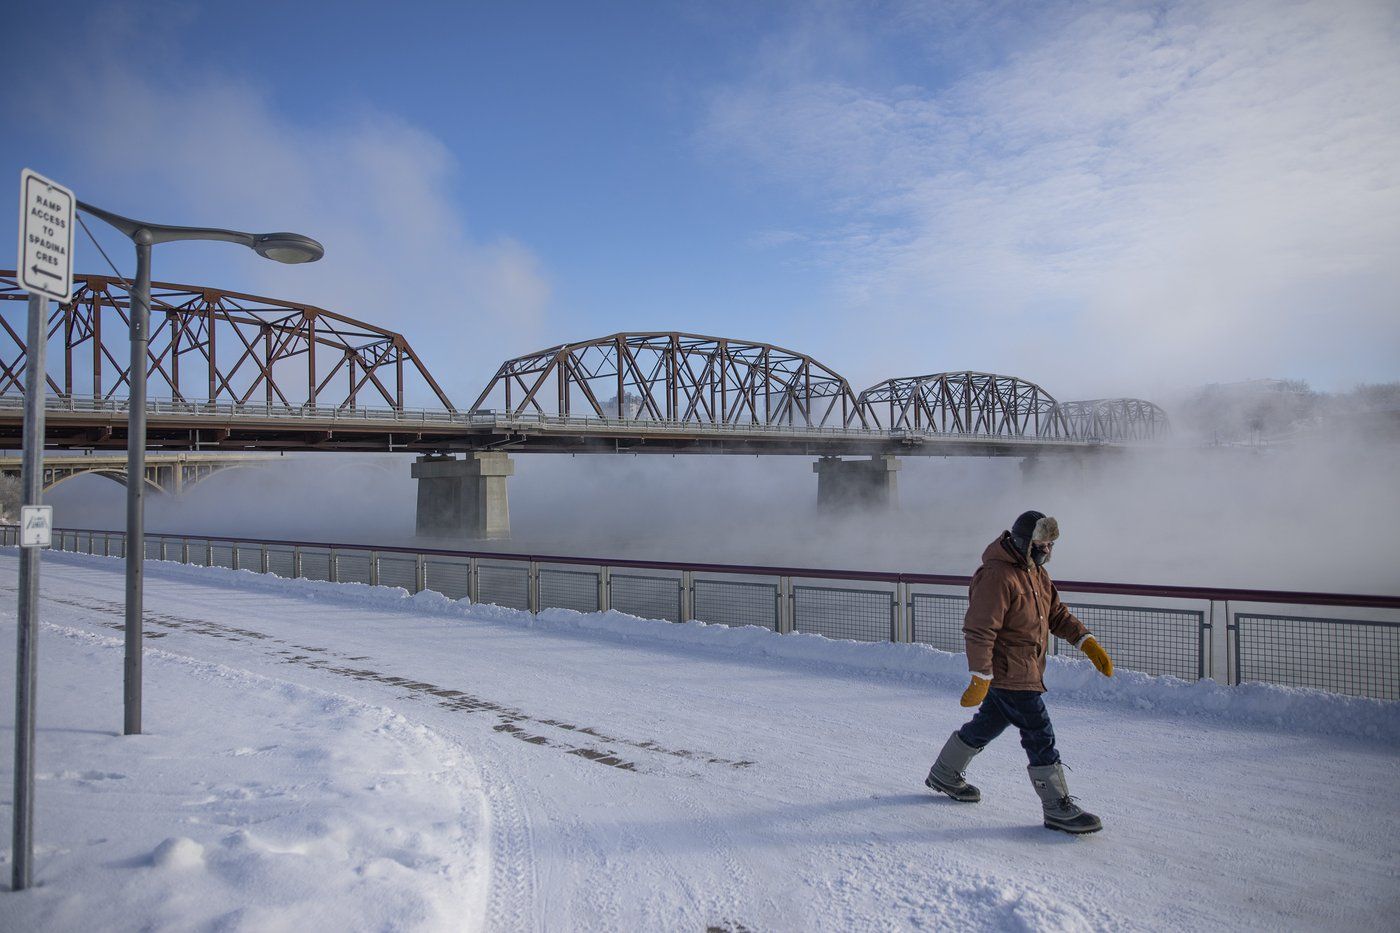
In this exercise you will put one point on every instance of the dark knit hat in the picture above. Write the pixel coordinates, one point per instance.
(1025, 524)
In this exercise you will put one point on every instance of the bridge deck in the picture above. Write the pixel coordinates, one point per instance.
(98, 424)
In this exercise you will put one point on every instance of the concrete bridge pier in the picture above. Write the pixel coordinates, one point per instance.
(464, 498)
(846, 484)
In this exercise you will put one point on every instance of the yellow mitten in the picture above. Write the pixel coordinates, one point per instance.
(1094, 652)
(976, 691)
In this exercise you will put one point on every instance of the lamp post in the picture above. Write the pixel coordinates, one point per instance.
(282, 247)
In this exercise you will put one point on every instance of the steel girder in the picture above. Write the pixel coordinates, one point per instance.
(678, 378)
(212, 345)
(1116, 419)
(965, 403)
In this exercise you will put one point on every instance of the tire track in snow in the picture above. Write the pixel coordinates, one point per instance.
(510, 898)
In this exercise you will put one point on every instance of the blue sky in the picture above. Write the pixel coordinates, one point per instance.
(1106, 198)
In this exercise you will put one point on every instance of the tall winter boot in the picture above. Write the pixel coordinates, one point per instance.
(1061, 812)
(946, 775)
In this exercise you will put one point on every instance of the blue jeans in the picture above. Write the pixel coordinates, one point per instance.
(1024, 709)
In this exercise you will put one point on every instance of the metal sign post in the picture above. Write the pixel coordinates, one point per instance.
(46, 270)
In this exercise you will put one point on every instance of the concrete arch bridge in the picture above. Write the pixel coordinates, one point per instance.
(165, 473)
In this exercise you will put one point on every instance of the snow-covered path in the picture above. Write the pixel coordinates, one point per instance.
(636, 778)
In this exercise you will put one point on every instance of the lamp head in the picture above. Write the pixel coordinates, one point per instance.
(287, 247)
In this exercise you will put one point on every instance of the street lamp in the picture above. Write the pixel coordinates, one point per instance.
(282, 247)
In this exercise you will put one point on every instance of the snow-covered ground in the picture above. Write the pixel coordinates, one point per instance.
(334, 756)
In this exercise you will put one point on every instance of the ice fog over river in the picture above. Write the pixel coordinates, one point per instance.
(1317, 517)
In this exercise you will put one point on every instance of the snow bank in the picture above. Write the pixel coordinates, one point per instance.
(256, 805)
(1289, 709)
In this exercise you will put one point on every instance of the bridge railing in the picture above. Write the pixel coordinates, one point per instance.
(1336, 642)
(261, 411)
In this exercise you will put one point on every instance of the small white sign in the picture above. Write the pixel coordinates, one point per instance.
(45, 236)
(36, 525)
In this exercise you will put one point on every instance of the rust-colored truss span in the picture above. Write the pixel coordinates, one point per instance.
(211, 345)
(675, 377)
(965, 403)
(1115, 419)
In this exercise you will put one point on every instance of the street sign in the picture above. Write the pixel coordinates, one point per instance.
(45, 236)
(36, 525)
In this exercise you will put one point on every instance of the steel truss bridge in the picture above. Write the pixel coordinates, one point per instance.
(233, 371)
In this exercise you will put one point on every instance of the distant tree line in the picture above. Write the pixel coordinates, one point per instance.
(1264, 410)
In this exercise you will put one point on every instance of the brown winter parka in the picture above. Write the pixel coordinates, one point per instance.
(1013, 608)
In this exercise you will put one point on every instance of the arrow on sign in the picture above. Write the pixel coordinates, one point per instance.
(46, 272)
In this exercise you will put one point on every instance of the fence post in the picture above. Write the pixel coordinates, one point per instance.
(420, 573)
(687, 595)
(1217, 645)
(786, 606)
(373, 568)
(1232, 646)
(233, 555)
(263, 561)
(604, 589)
(903, 613)
(473, 580)
(532, 588)
(296, 561)
(184, 550)
(333, 569)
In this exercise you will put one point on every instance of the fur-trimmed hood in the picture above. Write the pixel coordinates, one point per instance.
(1046, 529)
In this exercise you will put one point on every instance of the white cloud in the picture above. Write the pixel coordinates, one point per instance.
(1143, 194)
(203, 147)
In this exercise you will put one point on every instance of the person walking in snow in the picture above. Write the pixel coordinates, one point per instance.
(1013, 609)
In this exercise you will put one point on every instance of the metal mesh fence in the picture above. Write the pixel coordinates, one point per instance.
(399, 571)
(1139, 638)
(1154, 641)
(281, 561)
(249, 557)
(221, 555)
(938, 620)
(731, 602)
(568, 589)
(352, 566)
(1352, 656)
(504, 585)
(649, 597)
(451, 578)
(315, 563)
(837, 612)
